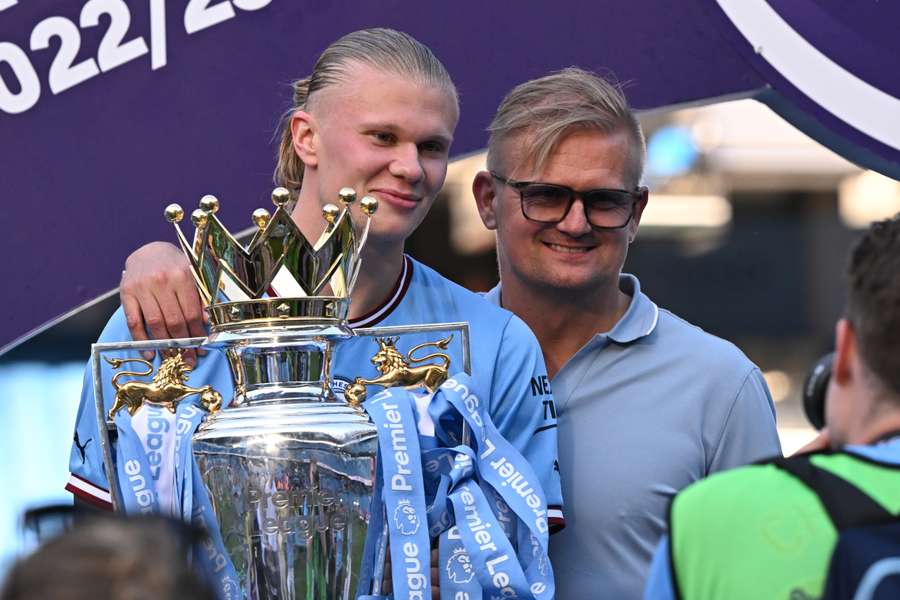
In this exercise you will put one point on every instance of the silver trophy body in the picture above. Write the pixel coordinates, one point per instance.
(289, 468)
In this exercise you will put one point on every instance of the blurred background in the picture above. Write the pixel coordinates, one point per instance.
(745, 235)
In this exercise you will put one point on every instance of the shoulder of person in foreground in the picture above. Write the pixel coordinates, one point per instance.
(739, 405)
(734, 523)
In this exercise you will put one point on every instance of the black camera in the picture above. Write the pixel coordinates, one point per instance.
(814, 389)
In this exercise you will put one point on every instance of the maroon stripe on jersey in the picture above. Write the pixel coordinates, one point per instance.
(88, 497)
(556, 524)
(380, 313)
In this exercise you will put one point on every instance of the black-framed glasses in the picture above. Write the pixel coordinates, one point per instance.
(549, 203)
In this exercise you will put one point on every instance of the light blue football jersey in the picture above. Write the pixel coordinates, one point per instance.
(505, 359)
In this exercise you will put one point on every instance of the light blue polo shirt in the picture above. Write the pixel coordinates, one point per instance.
(643, 411)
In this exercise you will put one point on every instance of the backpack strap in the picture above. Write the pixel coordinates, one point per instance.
(846, 505)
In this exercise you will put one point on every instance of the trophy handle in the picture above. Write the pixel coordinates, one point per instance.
(396, 369)
(106, 427)
(462, 328)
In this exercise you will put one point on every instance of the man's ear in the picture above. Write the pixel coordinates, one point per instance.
(845, 353)
(483, 190)
(304, 133)
(639, 206)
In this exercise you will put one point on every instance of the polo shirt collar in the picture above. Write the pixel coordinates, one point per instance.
(638, 321)
(641, 317)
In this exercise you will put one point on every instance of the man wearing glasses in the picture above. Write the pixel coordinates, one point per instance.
(647, 403)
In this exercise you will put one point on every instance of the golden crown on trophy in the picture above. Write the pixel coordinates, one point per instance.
(279, 278)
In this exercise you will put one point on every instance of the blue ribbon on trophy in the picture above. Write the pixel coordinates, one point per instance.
(403, 493)
(484, 503)
(187, 421)
(212, 556)
(508, 474)
(139, 483)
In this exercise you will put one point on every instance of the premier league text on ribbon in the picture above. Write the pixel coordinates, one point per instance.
(399, 480)
(404, 498)
(501, 464)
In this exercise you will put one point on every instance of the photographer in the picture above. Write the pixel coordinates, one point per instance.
(771, 530)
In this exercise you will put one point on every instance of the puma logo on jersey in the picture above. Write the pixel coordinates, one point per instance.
(81, 447)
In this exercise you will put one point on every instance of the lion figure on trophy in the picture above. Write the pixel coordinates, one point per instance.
(167, 388)
(395, 369)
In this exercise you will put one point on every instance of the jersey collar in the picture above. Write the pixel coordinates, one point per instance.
(393, 299)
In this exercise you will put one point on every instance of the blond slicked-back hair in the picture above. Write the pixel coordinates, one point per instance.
(550, 107)
(383, 49)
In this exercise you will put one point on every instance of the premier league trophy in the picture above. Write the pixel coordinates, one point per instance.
(288, 469)
(299, 488)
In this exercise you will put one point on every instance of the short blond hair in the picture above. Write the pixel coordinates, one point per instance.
(550, 107)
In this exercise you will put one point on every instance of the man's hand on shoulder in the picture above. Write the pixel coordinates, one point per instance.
(159, 296)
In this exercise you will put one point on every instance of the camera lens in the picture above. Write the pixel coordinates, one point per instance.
(814, 389)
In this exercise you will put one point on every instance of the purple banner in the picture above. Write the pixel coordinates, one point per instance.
(830, 67)
(111, 109)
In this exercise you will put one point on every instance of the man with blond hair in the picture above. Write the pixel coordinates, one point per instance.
(646, 402)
